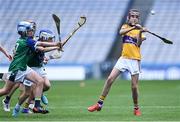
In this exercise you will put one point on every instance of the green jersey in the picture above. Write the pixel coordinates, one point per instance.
(23, 51)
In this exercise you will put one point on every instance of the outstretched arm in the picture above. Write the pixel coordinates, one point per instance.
(46, 49)
(43, 46)
(48, 44)
(5, 53)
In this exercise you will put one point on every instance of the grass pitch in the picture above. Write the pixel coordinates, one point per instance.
(68, 101)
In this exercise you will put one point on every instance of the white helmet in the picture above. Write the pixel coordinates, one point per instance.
(23, 27)
(45, 35)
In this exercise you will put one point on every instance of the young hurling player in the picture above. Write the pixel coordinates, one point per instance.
(132, 35)
(37, 64)
(6, 100)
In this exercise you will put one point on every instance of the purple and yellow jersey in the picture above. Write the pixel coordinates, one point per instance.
(130, 49)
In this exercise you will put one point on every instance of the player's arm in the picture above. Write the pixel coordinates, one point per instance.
(33, 44)
(46, 49)
(5, 53)
(48, 44)
(125, 30)
(141, 37)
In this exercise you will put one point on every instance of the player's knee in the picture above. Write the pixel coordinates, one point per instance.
(134, 86)
(46, 87)
(47, 84)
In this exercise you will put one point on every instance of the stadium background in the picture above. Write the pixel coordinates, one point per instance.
(95, 48)
(92, 52)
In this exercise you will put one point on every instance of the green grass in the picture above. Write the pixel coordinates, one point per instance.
(159, 101)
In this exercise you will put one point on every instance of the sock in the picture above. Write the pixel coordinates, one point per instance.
(26, 105)
(17, 107)
(37, 102)
(7, 99)
(101, 99)
(136, 107)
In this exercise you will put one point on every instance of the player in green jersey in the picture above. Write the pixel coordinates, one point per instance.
(37, 64)
(6, 100)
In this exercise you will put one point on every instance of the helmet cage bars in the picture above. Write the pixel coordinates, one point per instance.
(46, 35)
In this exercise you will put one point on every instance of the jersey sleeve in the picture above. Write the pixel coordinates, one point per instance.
(32, 43)
(143, 36)
(124, 26)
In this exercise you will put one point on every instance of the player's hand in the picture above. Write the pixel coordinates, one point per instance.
(9, 57)
(143, 29)
(59, 44)
(138, 26)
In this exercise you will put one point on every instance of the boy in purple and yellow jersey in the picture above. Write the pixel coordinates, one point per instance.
(132, 36)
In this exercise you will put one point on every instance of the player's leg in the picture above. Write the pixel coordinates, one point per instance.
(16, 86)
(10, 82)
(6, 100)
(134, 87)
(47, 86)
(39, 81)
(42, 72)
(108, 83)
(23, 96)
(7, 88)
(31, 75)
(30, 98)
(134, 68)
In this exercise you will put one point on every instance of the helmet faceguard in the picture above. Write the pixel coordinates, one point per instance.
(23, 27)
(46, 35)
(33, 31)
(33, 24)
